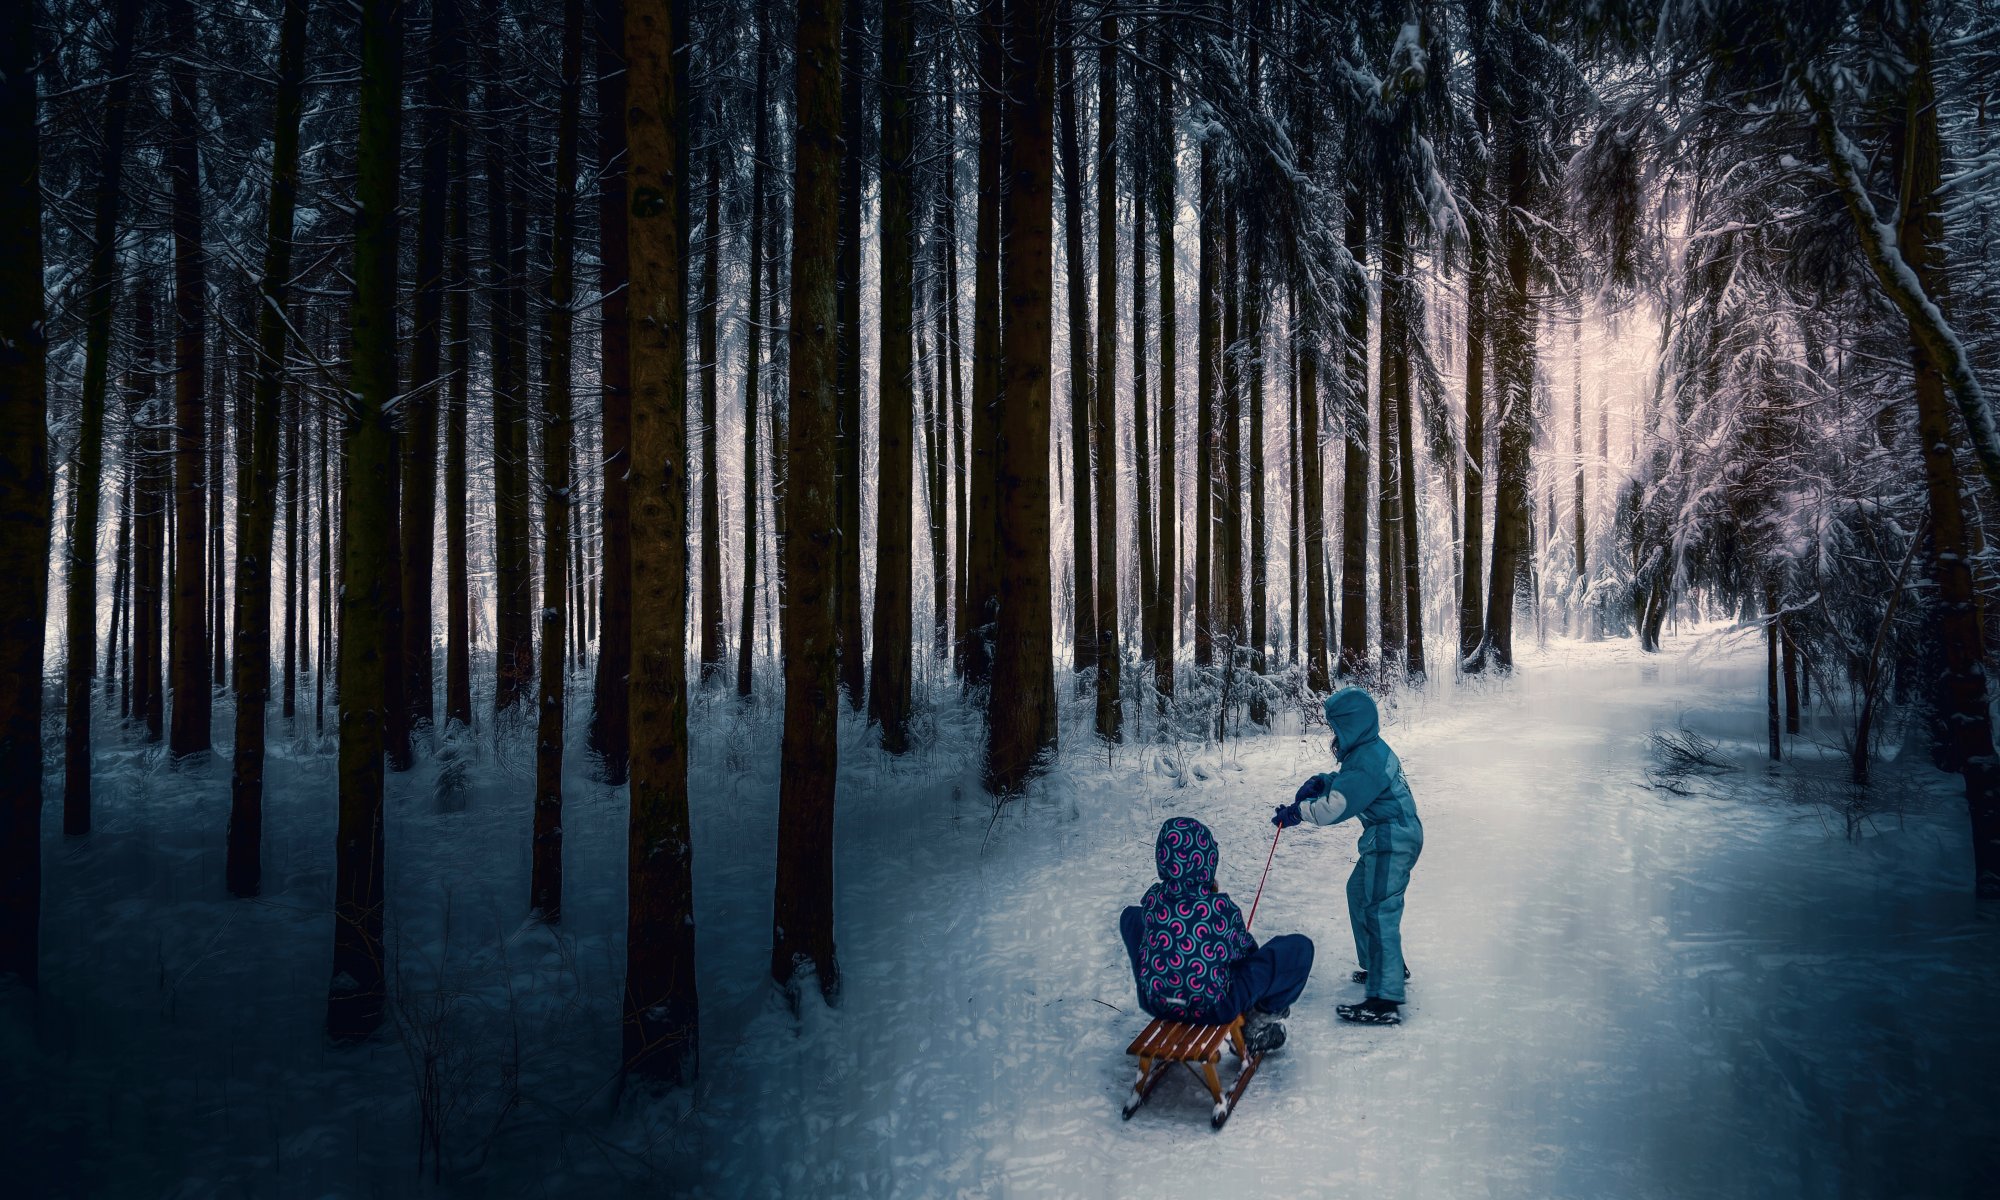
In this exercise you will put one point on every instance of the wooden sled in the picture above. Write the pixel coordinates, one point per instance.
(1165, 1043)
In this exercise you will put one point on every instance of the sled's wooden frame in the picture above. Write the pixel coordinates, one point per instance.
(1165, 1043)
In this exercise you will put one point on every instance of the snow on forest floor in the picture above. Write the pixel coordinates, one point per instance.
(1619, 991)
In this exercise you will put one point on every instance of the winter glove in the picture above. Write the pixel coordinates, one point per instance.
(1287, 815)
(1311, 789)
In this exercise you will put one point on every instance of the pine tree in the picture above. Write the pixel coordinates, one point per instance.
(1022, 730)
(26, 499)
(802, 906)
(661, 1019)
(370, 592)
(256, 509)
(889, 676)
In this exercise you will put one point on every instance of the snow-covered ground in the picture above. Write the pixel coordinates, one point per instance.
(1618, 992)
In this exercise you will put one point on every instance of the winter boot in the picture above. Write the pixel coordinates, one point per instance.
(1261, 1031)
(1361, 976)
(1372, 1011)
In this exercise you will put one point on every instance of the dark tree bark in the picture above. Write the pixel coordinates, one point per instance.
(458, 317)
(1208, 333)
(753, 335)
(714, 634)
(662, 1012)
(296, 461)
(1228, 572)
(802, 908)
(1110, 713)
(370, 592)
(150, 570)
(847, 438)
(1354, 470)
(545, 885)
(420, 464)
(256, 505)
(188, 671)
(1083, 615)
(26, 500)
(1253, 336)
(514, 659)
(610, 734)
(100, 301)
(982, 559)
(1514, 373)
(889, 676)
(1409, 558)
(1960, 688)
(1142, 455)
(1471, 607)
(1390, 403)
(1314, 513)
(956, 417)
(1166, 616)
(1023, 729)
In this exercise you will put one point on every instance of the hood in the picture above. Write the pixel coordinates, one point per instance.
(1351, 714)
(1186, 853)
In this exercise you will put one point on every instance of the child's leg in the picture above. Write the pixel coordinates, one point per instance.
(1273, 977)
(1357, 916)
(1388, 877)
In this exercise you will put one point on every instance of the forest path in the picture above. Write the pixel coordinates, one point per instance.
(1617, 992)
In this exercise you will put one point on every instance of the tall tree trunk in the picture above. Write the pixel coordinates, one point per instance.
(610, 734)
(941, 416)
(1208, 333)
(982, 562)
(661, 1019)
(1294, 500)
(1253, 336)
(1314, 514)
(458, 317)
(1166, 618)
(324, 665)
(154, 450)
(370, 592)
(1580, 518)
(1960, 689)
(1409, 557)
(256, 507)
(889, 677)
(217, 616)
(847, 438)
(1514, 373)
(1142, 455)
(545, 886)
(1354, 468)
(1230, 484)
(1083, 616)
(1023, 729)
(296, 462)
(1109, 711)
(802, 909)
(426, 358)
(714, 634)
(26, 500)
(1471, 606)
(100, 304)
(188, 671)
(1389, 468)
(753, 337)
(959, 419)
(512, 553)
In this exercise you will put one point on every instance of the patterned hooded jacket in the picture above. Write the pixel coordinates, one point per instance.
(1193, 932)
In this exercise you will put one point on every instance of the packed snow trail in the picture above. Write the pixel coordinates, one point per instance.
(1617, 992)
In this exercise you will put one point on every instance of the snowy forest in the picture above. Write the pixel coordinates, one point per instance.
(608, 597)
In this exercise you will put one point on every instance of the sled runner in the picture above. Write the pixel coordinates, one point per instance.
(1165, 1043)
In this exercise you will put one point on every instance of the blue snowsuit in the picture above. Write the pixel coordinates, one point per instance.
(1192, 955)
(1370, 785)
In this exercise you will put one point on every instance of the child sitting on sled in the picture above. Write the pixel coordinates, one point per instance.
(1369, 785)
(1193, 956)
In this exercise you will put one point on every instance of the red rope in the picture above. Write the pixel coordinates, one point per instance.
(1267, 874)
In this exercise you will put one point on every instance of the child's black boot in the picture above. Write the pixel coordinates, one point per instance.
(1372, 1011)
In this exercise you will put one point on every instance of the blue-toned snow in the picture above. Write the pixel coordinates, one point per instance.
(1618, 991)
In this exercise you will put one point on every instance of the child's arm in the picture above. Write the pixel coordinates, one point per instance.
(1348, 791)
(1241, 944)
